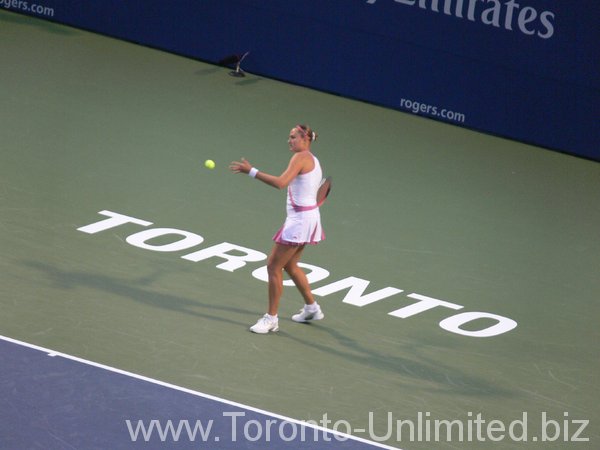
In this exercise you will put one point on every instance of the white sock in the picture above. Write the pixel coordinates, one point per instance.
(273, 318)
(312, 307)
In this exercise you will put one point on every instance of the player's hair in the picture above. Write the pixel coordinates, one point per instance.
(307, 131)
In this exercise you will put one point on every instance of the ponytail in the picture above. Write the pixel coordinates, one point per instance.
(307, 131)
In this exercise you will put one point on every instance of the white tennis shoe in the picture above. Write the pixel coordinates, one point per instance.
(265, 324)
(308, 314)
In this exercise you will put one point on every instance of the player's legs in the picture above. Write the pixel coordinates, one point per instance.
(311, 310)
(280, 256)
(299, 277)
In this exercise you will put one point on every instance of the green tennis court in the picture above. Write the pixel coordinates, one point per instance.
(506, 231)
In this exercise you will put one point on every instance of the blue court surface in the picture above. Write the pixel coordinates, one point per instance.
(70, 403)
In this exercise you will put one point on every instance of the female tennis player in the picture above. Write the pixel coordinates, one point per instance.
(302, 226)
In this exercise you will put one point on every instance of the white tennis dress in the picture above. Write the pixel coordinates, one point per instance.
(303, 222)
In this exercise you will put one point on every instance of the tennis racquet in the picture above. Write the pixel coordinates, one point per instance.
(322, 193)
(324, 190)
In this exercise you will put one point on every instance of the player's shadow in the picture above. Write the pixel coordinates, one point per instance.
(414, 366)
(418, 367)
(135, 290)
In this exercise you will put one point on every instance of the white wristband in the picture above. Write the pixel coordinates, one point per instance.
(253, 172)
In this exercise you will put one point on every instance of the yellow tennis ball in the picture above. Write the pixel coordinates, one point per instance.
(209, 164)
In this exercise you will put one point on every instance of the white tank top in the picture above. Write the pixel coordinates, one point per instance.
(302, 191)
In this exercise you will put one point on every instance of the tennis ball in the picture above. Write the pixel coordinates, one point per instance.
(209, 164)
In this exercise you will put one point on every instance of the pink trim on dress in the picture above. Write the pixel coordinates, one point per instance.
(299, 208)
(277, 238)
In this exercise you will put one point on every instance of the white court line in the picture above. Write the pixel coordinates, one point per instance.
(54, 353)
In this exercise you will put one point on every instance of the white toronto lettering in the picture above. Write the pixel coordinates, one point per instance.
(140, 239)
(453, 324)
(114, 220)
(355, 295)
(233, 262)
(424, 304)
(237, 256)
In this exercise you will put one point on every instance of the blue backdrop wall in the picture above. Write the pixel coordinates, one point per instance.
(524, 69)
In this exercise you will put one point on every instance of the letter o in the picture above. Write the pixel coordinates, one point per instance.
(259, 430)
(140, 239)
(283, 436)
(453, 324)
(316, 274)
